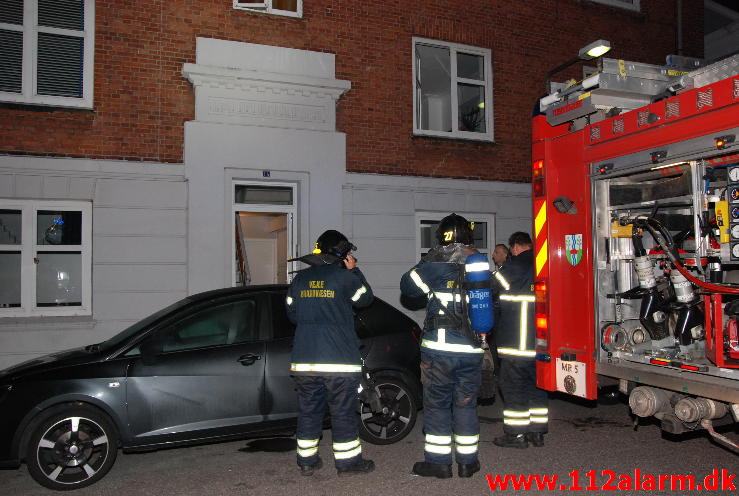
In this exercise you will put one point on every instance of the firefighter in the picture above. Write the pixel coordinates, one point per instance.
(525, 413)
(450, 355)
(326, 363)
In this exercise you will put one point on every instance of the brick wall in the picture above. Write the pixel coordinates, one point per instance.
(142, 100)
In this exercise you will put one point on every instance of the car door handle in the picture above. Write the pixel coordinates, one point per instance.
(249, 359)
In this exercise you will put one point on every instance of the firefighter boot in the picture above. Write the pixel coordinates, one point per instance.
(426, 469)
(358, 467)
(511, 441)
(309, 469)
(468, 469)
(535, 438)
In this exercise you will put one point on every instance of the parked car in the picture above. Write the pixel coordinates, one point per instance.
(214, 366)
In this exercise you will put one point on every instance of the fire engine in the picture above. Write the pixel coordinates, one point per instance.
(635, 178)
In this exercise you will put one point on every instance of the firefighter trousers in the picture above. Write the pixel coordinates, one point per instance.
(339, 393)
(450, 388)
(525, 406)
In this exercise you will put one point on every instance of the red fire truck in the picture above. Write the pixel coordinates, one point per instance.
(636, 228)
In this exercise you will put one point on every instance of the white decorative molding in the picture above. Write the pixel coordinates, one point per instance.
(247, 94)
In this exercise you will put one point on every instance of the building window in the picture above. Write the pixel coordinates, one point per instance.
(453, 95)
(427, 222)
(290, 8)
(626, 4)
(45, 258)
(47, 52)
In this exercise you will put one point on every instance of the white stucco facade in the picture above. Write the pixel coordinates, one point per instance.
(162, 231)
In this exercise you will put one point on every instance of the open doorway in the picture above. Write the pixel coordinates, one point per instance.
(263, 234)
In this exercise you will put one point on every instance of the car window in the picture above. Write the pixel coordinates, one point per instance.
(379, 319)
(281, 325)
(213, 325)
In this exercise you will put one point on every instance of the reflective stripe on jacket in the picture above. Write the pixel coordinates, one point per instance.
(514, 332)
(437, 280)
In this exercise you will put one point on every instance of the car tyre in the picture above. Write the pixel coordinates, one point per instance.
(70, 447)
(398, 415)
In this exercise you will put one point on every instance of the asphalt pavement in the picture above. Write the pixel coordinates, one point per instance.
(583, 438)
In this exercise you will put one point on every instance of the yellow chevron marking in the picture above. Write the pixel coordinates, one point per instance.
(541, 257)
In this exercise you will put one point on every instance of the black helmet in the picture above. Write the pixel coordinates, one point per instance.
(333, 243)
(454, 229)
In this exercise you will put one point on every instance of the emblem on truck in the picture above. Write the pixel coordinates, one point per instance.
(573, 248)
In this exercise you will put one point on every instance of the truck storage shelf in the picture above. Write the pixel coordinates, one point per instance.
(677, 201)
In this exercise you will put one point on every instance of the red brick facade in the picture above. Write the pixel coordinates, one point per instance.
(142, 99)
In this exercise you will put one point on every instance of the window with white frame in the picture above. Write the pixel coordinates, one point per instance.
(483, 230)
(47, 52)
(290, 8)
(453, 94)
(626, 4)
(45, 258)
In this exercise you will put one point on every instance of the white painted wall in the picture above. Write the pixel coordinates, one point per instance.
(138, 253)
(259, 111)
(380, 219)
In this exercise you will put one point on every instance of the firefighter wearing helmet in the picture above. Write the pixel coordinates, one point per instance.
(525, 410)
(451, 355)
(326, 363)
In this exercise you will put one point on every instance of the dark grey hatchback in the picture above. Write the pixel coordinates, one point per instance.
(214, 366)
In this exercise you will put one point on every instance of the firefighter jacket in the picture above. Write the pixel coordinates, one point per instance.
(515, 335)
(319, 301)
(439, 281)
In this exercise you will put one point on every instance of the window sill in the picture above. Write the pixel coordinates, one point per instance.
(46, 323)
(37, 107)
(421, 137)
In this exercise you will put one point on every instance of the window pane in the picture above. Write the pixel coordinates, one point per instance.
(433, 88)
(11, 61)
(59, 279)
(268, 195)
(60, 65)
(471, 108)
(290, 5)
(11, 12)
(229, 323)
(480, 235)
(470, 66)
(428, 234)
(10, 227)
(281, 325)
(58, 227)
(10, 279)
(66, 14)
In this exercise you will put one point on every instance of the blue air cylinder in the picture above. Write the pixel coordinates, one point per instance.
(477, 277)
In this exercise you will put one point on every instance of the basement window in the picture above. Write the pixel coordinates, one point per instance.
(289, 8)
(45, 258)
(47, 52)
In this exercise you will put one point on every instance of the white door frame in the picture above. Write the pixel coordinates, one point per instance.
(290, 210)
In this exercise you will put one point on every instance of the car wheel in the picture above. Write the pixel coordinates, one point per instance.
(397, 416)
(71, 447)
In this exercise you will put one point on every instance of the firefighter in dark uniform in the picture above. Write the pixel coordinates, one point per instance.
(525, 414)
(450, 357)
(326, 363)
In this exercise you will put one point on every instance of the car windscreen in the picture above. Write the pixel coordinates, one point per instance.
(122, 336)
